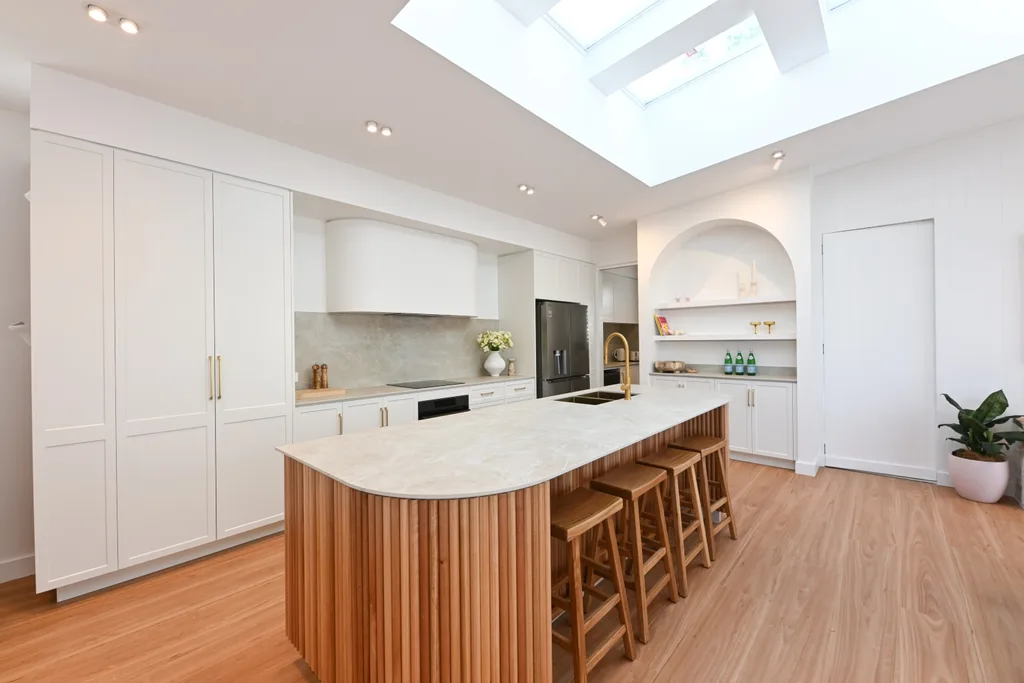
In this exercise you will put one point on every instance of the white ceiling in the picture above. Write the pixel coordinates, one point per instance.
(310, 72)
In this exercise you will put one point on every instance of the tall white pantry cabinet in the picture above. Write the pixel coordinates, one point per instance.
(161, 357)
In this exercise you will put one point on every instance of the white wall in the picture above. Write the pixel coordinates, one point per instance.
(72, 106)
(782, 207)
(617, 250)
(972, 186)
(487, 287)
(310, 253)
(15, 416)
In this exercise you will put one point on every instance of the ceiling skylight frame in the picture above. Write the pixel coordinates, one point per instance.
(564, 32)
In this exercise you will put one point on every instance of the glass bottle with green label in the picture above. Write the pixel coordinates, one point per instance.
(728, 362)
(751, 364)
(737, 360)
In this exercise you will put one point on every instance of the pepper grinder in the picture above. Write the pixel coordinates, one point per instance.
(316, 376)
(323, 377)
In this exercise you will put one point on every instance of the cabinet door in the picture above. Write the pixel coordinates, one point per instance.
(255, 389)
(699, 384)
(72, 314)
(166, 478)
(772, 419)
(546, 276)
(629, 296)
(585, 284)
(400, 410)
(317, 423)
(362, 416)
(607, 297)
(739, 413)
(669, 382)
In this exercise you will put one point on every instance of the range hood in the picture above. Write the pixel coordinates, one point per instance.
(375, 267)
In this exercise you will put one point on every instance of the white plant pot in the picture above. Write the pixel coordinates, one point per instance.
(977, 480)
(494, 364)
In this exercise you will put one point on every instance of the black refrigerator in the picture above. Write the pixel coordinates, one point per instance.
(563, 348)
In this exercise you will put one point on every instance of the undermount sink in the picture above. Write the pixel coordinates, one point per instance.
(594, 398)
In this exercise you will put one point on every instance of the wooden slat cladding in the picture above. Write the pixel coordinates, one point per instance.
(389, 590)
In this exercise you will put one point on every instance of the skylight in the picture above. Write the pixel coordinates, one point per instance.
(589, 21)
(723, 48)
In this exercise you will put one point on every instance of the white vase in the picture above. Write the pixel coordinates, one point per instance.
(494, 364)
(984, 482)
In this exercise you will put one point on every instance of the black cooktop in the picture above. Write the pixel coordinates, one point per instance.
(426, 384)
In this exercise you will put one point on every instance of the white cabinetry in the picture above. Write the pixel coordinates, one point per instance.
(72, 313)
(362, 416)
(739, 414)
(682, 382)
(618, 299)
(557, 278)
(761, 417)
(317, 422)
(400, 410)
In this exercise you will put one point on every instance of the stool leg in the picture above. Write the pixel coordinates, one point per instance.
(698, 512)
(705, 501)
(639, 579)
(723, 461)
(663, 534)
(677, 518)
(620, 586)
(579, 636)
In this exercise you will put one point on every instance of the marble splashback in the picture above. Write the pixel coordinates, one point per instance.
(628, 330)
(371, 350)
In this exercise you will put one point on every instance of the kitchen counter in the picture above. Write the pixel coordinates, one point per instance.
(765, 373)
(620, 363)
(489, 452)
(373, 392)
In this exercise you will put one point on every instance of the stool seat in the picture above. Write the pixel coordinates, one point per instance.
(629, 482)
(672, 460)
(704, 445)
(578, 511)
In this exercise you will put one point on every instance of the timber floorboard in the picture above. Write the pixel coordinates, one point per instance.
(845, 577)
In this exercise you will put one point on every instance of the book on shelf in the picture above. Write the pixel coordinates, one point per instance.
(662, 324)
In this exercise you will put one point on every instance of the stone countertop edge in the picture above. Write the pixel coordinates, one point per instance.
(495, 451)
(373, 392)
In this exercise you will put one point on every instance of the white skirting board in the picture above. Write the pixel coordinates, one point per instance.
(75, 590)
(17, 568)
(761, 460)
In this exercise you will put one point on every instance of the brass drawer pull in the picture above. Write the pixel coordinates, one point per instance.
(220, 377)
(487, 393)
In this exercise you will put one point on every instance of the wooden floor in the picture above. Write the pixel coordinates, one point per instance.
(844, 577)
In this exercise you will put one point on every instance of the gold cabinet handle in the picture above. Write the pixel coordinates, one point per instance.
(487, 393)
(753, 398)
(387, 417)
(382, 417)
(748, 398)
(341, 423)
(519, 389)
(220, 377)
(210, 360)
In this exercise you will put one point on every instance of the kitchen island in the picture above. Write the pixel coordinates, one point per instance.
(423, 552)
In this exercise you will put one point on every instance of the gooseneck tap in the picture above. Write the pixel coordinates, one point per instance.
(627, 386)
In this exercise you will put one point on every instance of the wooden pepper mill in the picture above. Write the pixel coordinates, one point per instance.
(323, 377)
(317, 377)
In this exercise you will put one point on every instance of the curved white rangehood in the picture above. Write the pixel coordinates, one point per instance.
(375, 267)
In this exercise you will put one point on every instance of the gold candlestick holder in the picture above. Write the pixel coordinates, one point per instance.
(755, 326)
(769, 324)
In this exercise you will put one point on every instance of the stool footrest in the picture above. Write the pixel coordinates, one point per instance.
(599, 613)
(604, 647)
(658, 586)
(561, 641)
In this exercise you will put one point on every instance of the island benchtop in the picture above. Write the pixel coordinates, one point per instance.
(488, 452)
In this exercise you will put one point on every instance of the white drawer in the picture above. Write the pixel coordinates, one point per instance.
(521, 389)
(519, 399)
(488, 393)
(486, 404)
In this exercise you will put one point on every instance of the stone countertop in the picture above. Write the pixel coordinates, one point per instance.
(487, 452)
(620, 363)
(373, 392)
(765, 373)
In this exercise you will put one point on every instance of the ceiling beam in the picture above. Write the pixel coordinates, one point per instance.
(658, 36)
(528, 11)
(793, 29)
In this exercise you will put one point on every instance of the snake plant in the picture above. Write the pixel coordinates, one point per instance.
(975, 428)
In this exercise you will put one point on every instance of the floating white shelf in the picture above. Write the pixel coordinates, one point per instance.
(725, 336)
(714, 303)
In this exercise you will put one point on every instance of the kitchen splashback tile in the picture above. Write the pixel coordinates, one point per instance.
(369, 350)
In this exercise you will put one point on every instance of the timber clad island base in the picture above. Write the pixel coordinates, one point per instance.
(400, 588)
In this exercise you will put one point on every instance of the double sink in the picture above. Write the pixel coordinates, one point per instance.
(594, 398)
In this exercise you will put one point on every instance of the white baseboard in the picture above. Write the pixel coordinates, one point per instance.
(807, 469)
(17, 568)
(942, 479)
(75, 590)
(875, 467)
(761, 460)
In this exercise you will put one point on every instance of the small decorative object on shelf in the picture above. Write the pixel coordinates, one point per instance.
(494, 341)
(323, 377)
(979, 470)
(755, 326)
(752, 291)
(769, 324)
(751, 364)
(317, 377)
(728, 362)
(738, 365)
(511, 367)
(661, 323)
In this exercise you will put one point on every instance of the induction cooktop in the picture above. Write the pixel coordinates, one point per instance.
(426, 384)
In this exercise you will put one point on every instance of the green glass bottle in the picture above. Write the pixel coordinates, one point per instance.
(728, 362)
(751, 364)
(738, 363)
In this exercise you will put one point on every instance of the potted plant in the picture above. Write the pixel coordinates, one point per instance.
(979, 470)
(494, 341)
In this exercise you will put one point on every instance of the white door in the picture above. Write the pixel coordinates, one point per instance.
(72, 314)
(317, 423)
(255, 389)
(667, 382)
(739, 414)
(401, 410)
(163, 238)
(879, 307)
(607, 297)
(771, 419)
(699, 384)
(362, 416)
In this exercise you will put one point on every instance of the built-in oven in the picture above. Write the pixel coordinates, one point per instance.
(449, 405)
(612, 376)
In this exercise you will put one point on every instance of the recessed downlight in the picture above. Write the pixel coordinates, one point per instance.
(594, 217)
(522, 188)
(385, 131)
(778, 156)
(372, 127)
(602, 222)
(128, 26)
(599, 219)
(96, 13)
(528, 189)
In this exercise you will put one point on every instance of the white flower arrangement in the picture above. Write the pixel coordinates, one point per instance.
(494, 340)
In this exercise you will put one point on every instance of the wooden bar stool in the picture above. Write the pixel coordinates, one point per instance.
(681, 467)
(714, 484)
(573, 515)
(636, 485)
